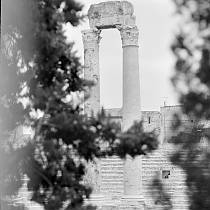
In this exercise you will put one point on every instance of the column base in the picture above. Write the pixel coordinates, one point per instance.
(132, 202)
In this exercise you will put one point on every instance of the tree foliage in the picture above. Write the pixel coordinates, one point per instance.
(192, 51)
(192, 80)
(41, 87)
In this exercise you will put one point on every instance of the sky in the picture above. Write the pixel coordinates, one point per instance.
(157, 25)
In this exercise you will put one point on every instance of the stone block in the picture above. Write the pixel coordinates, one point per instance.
(110, 14)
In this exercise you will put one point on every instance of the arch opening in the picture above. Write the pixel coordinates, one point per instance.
(110, 60)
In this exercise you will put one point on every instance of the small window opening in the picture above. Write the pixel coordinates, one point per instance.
(165, 174)
(149, 120)
(191, 120)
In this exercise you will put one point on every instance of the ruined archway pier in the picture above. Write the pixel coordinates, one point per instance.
(117, 15)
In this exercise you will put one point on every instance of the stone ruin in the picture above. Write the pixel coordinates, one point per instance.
(119, 184)
(122, 179)
(126, 184)
(117, 15)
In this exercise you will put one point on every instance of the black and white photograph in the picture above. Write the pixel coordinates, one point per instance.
(105, 105)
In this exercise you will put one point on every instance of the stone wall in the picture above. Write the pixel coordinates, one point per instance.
(157, 164)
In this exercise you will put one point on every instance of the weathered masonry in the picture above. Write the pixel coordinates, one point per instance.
(121, 179)
(126, 184)
(117, 15)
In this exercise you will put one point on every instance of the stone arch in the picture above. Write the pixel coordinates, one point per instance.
(118, 15)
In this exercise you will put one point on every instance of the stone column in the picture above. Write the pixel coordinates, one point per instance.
(91, 39)
(131, 86)
(131, 111)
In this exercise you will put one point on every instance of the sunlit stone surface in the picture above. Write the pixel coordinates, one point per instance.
(120, 180)
(126, 184)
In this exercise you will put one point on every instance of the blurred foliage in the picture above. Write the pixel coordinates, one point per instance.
(41, 87)
(192, 81)
(160, 195)
(193, 156)
(192, 51)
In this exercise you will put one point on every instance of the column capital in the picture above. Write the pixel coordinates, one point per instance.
(91, 38)
(129, 35)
